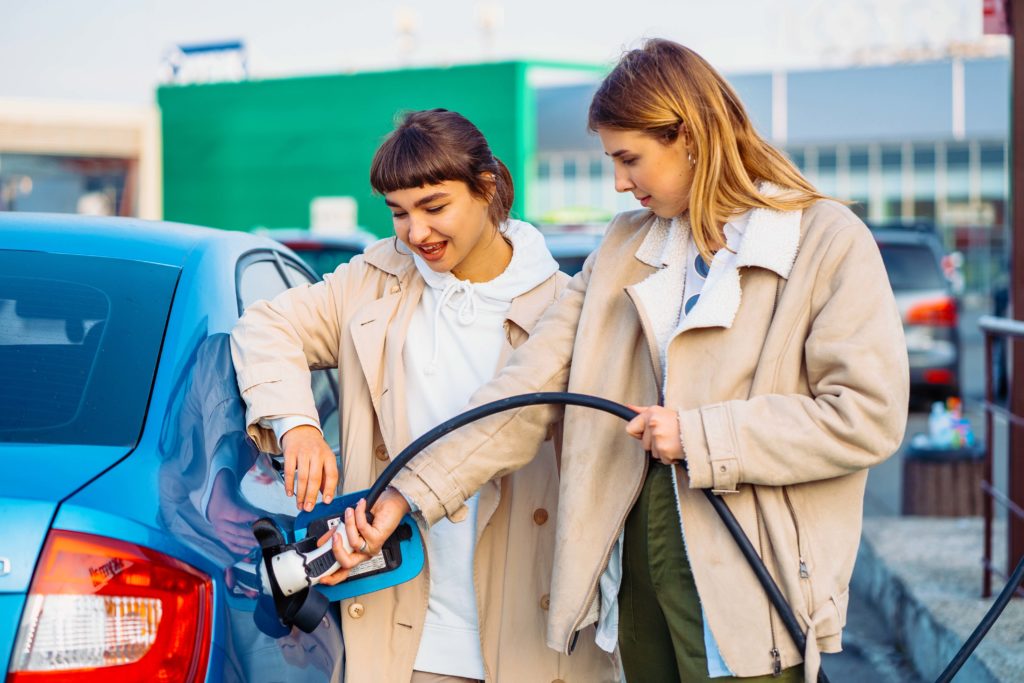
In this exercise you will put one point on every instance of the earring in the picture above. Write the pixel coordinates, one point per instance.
(690, 158)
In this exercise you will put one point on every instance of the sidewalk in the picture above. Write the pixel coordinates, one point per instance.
(924, 575)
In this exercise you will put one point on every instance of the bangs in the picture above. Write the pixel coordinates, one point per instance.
(409, 158)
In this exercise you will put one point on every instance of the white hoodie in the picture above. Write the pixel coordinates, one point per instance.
(452, 348)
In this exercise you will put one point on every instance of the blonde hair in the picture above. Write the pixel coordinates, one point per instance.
(664, 88)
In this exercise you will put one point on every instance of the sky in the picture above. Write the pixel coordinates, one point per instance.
(112, 50)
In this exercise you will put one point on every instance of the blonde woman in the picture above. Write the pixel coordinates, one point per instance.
(750, 321)
(415, 326)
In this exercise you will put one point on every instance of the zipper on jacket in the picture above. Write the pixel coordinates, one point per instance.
(774, 652)
(571, 643)
(805, 573)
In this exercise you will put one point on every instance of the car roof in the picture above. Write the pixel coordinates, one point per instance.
(301, 236)
(128, 238)
(572, 241)
(897, 236)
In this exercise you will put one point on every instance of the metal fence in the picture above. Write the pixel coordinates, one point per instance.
(1000, 335)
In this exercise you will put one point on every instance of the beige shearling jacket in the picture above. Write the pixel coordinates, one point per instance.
(790, 382)
(356, 319)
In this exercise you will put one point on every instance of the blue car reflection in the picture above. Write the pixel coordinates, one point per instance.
(129, 482)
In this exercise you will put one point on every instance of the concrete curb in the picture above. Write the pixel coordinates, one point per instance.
(928, 643)
(923, 575)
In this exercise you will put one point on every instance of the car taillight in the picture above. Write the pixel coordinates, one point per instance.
(101, 609)
(938, 376)
(940, 312)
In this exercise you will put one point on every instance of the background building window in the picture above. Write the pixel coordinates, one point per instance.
(892, 158)
(924, 157)
(797, 157)
(957, 155)
(858, 159)
(826, 161)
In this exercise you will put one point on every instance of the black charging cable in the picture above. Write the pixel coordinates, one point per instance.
(789, 619)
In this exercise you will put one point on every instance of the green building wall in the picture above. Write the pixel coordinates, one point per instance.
(255, 153)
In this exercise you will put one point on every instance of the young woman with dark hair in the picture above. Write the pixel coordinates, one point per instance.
(415, 326)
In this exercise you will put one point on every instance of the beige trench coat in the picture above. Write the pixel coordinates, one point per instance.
(789, 383)
(356, 320)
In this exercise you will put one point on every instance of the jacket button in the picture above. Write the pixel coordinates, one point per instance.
(395, 289)
(356, 610)
(722, 468)
(381, 452)
(540, 515)
(545, 601)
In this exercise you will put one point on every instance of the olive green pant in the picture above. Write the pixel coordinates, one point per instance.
(661, 630)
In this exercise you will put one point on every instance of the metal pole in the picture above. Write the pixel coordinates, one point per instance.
(986, 582)
(1015, 526)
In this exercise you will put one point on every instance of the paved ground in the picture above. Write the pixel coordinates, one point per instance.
(923, 575)
(870, 649)
(916, 591)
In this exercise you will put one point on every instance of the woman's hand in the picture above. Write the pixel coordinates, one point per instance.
(309, 466)
(657, 428)
(364, 538)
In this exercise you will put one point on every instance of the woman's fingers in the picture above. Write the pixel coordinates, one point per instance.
(289, 470)
(346, 559)
(355, 539)
(301, 476)
(374, 538)
(657, 429)
(648, 437)
(330, 483)
(314, 474)
(635, 427)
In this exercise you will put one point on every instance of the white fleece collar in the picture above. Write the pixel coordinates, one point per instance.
(770, 240)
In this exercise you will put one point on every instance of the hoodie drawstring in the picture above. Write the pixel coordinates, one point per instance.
(466, 313)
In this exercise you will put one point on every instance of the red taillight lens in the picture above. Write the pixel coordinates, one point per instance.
(102, 610)
(937, 312)
(938, 376)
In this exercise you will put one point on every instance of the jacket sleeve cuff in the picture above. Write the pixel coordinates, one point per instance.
(282, 424)
(712, 458)
(270, 399)
(433, 492)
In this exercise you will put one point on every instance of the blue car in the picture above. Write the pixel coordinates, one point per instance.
(129, 484)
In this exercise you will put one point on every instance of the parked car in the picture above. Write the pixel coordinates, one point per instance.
(130, 483)
(914, 261)
(322, 252)
(571, 247)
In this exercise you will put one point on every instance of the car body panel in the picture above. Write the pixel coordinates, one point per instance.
(10, 604)
(23, 527)
(571, 247)
(153, 495)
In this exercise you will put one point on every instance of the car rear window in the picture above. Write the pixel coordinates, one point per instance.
(912, 267)
(570, 265)
(326, 259)
(79, 341)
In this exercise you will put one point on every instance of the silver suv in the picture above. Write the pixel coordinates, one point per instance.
(928, 306)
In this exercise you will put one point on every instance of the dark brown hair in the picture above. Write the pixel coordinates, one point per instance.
(664, 88)
(430, 147)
